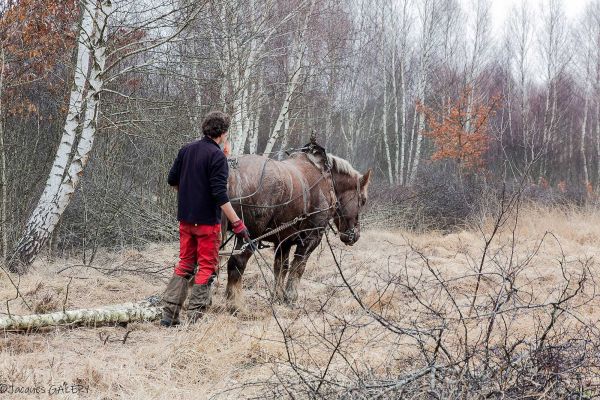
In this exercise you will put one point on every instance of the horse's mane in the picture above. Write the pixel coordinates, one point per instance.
(341, 166)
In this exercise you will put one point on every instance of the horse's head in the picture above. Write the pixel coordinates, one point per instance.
(351, 190)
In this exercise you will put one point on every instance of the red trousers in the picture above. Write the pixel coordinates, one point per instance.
(198, 244)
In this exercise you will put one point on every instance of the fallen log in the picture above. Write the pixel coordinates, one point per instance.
(143, 311)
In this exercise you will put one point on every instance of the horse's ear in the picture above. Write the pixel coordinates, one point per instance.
(365, 179)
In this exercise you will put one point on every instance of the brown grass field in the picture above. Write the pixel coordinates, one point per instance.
(245, 356)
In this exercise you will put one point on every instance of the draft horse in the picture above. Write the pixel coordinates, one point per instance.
(311, 187)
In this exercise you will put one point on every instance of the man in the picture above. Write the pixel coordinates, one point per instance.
(200, 174)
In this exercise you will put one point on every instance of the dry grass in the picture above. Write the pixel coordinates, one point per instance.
(227, 357)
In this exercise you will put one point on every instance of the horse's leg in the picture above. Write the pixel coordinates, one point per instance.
(301, 255)
(280, 267)
(235, 269)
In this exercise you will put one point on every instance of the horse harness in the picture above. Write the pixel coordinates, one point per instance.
(336, 204)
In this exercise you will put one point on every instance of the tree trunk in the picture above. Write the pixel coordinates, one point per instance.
(3, 192)
(256, 113)
(598, 142)
(301, 48)
(284, 136)
(61, 186)
(403, 132)
(586, 175)
(420, 126)
(122, 313)
(386, 145)
(396, 121)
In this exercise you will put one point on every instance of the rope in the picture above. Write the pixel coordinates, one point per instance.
(333, 205)
(237, 200)
(274, 231)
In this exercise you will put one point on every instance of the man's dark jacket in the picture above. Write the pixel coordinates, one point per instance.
(201, 172)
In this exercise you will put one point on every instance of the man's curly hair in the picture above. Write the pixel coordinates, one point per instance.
(215, 124)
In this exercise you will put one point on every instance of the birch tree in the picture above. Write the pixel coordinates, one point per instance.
(243, 31)
(519, 42)
(553, 51)
(298, 52)
(585, 71)
(32, 37)
(384, 89)
(588, 46)
(480, 36)
(400, 89)
(66, 173)
(93, 65)
(429, 14)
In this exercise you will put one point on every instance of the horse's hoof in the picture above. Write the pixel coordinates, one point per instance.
(236, 309)
(278, 298)
(290, 300)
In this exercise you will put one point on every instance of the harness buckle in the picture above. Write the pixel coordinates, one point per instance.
(233, 163)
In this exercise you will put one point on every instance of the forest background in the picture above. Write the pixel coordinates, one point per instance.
(441, 102)
(475, 275)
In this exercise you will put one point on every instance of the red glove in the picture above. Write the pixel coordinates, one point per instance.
(240, 230)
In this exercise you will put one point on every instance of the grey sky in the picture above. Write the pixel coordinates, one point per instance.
(501, 8)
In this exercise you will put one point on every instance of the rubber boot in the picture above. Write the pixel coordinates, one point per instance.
(173, 299)
(200, 300)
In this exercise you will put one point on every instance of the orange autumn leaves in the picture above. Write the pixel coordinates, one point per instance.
(461, 133)
(34, 36)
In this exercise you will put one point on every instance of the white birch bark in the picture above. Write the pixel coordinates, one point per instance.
(586, 175)
(481, 31)
(413, 130)
(122, 313)
(300, 47)
(74, 112)
(403, 132)
(256, 114)
(245, 47)
(285, 106)
(556, 59)
(420, 124)
(519, 43)
(384, 119)
(419, 141)
(396, 121)
(429, 17)
(400, 103)
(47, 214)
(197, 109)
(384, 129)
(284, 136)
(594, 12)
(3, 192)
(598, 139)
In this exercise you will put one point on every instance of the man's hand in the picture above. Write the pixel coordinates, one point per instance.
(227, 148)
(240, 230)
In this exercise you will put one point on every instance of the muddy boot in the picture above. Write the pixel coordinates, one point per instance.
(200, 300)
(173, 299)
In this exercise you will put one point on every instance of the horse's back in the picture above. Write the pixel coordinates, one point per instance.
(257, 180)
(265, 192)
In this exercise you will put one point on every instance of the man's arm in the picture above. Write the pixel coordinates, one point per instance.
(173, 178)
(219, 171)
(230, 212)
(237, 225)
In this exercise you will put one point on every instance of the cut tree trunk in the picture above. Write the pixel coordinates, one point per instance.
(117, 314)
